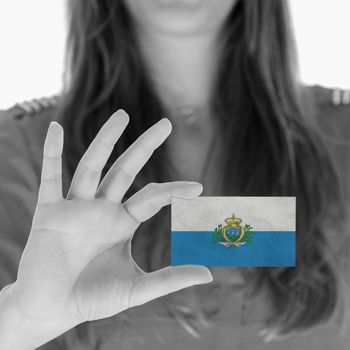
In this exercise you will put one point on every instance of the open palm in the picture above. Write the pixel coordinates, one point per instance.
(77, 264)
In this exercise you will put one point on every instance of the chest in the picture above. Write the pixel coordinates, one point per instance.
(195, 155)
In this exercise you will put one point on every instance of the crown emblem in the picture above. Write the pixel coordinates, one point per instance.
(233, 234)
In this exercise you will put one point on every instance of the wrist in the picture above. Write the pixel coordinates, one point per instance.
(12, 329)
(18, 330)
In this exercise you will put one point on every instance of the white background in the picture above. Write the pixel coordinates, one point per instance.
(32, 35)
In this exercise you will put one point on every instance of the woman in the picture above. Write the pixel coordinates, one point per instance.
(223, 72)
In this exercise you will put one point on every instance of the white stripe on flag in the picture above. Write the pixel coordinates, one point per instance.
(206, 213)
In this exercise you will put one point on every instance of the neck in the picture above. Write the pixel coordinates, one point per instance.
(181, 68)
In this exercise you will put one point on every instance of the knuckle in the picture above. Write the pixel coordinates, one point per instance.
(90, 167)
(51, 157)
(79, 193)
(153, 207)
(131, 295)
(52, 178)
(124, 173)
(104, 142)
(166, 274)
(147, 147)
(145, 143)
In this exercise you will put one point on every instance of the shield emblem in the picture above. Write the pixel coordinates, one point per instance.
(233, 234)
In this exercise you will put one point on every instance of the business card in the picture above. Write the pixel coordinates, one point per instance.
(233, 231)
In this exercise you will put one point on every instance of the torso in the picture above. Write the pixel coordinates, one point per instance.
(151, 326)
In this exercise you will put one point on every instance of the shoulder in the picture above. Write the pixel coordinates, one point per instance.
(330, 97)
(332, 106)
(332, 116)
(28, 119)
(22, 133)
(23, 129)
(29, 110)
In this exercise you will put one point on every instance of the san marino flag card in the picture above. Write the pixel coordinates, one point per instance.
(233, 231)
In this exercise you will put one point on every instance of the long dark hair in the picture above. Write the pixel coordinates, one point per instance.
(268, 135)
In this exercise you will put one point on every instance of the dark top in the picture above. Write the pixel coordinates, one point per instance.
(22, 133)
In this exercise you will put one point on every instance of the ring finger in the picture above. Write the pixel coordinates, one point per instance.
(88, 173)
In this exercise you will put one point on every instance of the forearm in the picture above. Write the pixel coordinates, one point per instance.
(19, 331)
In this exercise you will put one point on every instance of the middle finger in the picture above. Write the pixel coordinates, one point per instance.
(88, 172)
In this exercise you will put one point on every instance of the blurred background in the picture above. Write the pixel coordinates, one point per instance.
(32, 37)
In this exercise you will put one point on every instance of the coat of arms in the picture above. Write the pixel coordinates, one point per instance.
(233, 234)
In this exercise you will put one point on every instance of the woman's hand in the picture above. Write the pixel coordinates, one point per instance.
(77, 264)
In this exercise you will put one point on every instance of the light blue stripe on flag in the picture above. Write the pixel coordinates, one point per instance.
(269, 248)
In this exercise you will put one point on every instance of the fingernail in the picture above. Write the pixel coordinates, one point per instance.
(196, 186)
(121, 115)
(55, 128)
(166, 124)
(54, 124)
(209, 279)
(194, 183)
(207, 276)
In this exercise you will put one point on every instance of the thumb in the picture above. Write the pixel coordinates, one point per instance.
(167, 280)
